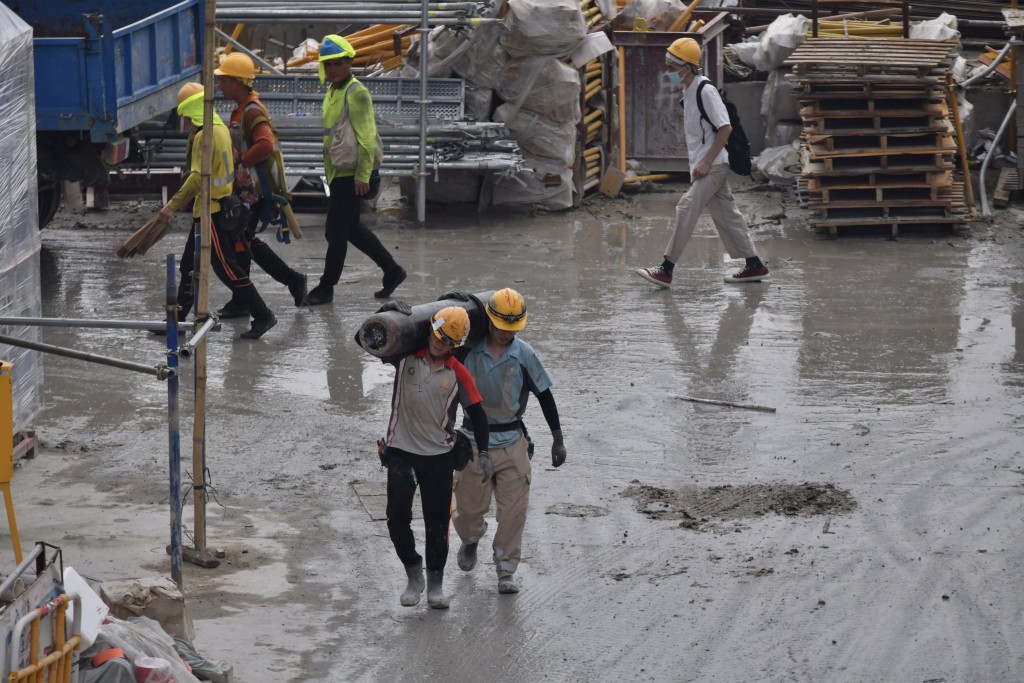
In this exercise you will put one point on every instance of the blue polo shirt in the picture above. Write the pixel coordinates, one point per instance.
(504, 385)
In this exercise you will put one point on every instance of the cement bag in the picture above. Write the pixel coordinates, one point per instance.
(539, 136)
(659, 14)
(777, 164)
(942, 27)
(157, 597)
(484, 58)
(543, 27)
(537, 189)
(543, 85)
(778, 102)
(782, 38)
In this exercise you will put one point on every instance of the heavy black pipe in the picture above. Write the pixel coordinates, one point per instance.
(392, 334)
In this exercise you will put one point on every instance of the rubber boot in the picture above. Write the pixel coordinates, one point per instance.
(435, 593)
(411, 594)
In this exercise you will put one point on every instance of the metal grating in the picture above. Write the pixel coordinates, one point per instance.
(393, 98)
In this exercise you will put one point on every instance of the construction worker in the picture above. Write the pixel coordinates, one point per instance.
(709, 171)
(190, 108)
(418, 447)
(504, 368)
(350, 98)
(256, 146)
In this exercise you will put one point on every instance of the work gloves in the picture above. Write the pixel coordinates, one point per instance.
(485, 466)
(396, 305)
(557, 448)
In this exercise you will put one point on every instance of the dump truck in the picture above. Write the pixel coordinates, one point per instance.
(103, 67)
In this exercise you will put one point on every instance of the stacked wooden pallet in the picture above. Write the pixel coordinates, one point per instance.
(878, 143)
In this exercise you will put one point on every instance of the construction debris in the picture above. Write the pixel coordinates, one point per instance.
(145, 237)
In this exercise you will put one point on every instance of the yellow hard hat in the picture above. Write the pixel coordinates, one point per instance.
(238, 65)
(507, 310)
(188, 90)
(451, 325)
(682, 52)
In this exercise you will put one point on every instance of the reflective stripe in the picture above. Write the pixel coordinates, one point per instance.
(224, 179)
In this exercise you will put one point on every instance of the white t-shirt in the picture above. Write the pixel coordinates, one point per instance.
(699, 135)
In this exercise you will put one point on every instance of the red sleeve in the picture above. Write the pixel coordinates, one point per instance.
(262, 144)
(465, 379)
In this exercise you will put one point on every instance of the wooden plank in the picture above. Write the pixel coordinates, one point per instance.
(1006, 186)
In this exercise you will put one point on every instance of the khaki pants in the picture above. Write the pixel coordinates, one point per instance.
(713, 192)
(510, 486)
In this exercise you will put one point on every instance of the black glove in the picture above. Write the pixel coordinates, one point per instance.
(396, 305)
(485, 466)
(557, 448)
(456, 294)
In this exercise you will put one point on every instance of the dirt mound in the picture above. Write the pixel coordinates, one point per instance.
(695, 505)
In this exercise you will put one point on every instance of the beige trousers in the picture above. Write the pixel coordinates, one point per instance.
(510, 487)
(711, 191)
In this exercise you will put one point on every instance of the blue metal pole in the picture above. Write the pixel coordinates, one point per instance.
(173, 423)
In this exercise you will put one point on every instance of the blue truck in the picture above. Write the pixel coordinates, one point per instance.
(102, 68)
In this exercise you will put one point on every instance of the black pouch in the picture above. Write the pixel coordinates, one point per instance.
(374, 185)
(234, 216)
(462, 452)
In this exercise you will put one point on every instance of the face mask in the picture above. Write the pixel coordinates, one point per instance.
(674, 78)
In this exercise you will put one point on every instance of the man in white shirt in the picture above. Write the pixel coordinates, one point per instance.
(709, 171)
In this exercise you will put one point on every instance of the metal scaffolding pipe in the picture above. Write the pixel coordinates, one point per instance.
(196, 339)
(173, 423)
(421, 192)
(80, 322)
(160, 371)
(246, 51)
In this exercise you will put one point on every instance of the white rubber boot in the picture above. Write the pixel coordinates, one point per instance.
(435, 593)
(411, 594)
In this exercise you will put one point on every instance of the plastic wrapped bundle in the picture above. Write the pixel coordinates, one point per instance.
(658, 14)
(484, 59)
(534, 188)
(543, 27)
(20, 292)
(539, 136)
(544, 86)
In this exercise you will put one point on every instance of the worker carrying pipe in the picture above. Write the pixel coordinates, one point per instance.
(257, 148)
(418, 450)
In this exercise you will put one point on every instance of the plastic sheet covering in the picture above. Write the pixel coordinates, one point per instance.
(658, 14)
(942, 27)
(543, 27)
(539, 136)
(778, 164)
(537, 189)
(779, 103)
(20, 293)
(777, 43)
(484, 58)
(444, 48)
(545, 86)
(479, 100)
(143, 637)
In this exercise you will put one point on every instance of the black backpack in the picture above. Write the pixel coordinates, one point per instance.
(737, 146)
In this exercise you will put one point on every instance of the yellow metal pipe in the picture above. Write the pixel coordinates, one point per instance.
(593, 115)
(954, 107)
(234, 36)
(622, 109)
(653, 178)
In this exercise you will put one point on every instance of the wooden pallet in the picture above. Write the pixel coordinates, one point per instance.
(883, 180)
(854, 197)
(892, 228)
(1006, 186)
(950, 207)
(861, 107)
(887, 163)
(879, 124)
(865, 56)
(877, 144)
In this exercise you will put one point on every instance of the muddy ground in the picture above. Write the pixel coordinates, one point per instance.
(868, 530)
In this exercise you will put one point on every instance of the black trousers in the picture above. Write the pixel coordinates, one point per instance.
(343, 226)
(433, 474)
(264, 257)
(222, 259)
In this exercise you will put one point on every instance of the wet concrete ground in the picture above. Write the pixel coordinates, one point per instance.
(896, 368)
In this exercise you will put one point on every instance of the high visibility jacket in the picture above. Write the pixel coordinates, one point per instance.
(360, 112)
(248, 115)
(222, 171)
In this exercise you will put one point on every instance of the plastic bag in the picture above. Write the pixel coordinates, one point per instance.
(484, 58)
(782, 37)
(543, 27)
(142, 637)
(539, 136)
(778, 164)
(942, 27)
(657, 14)
(537, 189)
(779, 103)
(543, 85)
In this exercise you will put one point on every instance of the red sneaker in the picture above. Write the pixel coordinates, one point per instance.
(749, 275)
(656, 276)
